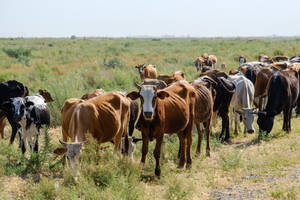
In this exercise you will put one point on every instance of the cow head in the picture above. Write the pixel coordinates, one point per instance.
(242, 59)
(73, 152)
(140, 67)
(47, 96)
(265, 123)
(248, 118)
(131, 145)
(199, 62)
(148, 95)
(16, 108)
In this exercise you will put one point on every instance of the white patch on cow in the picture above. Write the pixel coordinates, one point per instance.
(131, 146)
(31, 134)
(141, 69)
(147, 93)
(17, 103)
(37, 100)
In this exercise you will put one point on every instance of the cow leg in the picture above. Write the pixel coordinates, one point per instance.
(285, 118)
(200, 138)
(144, 149)
(236, 121)
(226, 125)
(36, 145)
(2, 126)
(22, 143)
(189, 138)
(15, 128)
(156, 154)
(207, 131)
(182, 139)
(289, 120)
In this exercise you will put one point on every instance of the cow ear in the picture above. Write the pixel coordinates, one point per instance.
(60, 151)
(133, 95)
(29, 103)
(162, 94)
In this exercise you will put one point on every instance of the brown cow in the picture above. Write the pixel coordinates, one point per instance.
(199, 63)
(106, 117)
(170, 110)
(148, 71)
(169, 79)
(264, 58)
(260, 86)
(211, 61)
(203, 111)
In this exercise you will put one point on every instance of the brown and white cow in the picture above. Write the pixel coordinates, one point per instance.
(148, 71)
(279, 58)
(170, 110)
(106, 117)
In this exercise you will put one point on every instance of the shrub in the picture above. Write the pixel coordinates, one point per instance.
(113, 63)
(155, 39)
(171, 60)
(73, 37)
(19, 53)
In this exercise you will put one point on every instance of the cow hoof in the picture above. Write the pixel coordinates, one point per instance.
(208, 153)
(188, 166)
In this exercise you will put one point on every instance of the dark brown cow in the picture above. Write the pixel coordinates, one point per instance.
(279, 58)
(283, 92)
(224, 91)
(170, 110)
(106, 117)
(260, 86)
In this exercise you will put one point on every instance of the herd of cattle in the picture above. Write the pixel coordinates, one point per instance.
(169, 104)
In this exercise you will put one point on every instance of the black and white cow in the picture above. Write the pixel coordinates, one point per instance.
(30, 112)
(10, 89)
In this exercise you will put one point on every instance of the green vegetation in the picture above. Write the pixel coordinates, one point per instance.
(70, 67)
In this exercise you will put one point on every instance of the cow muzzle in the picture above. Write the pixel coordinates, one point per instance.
(148, 115)
(250, 131)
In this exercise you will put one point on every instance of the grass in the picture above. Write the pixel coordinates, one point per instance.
(70, 67)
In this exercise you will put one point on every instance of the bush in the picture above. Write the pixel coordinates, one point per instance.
(19, 53)
(113, 63)
(73, 37)
(171, 60)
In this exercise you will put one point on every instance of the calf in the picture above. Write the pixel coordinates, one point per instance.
(170, 110)
(241, 101)
(148, 71)
(283, 92)
(31, 113)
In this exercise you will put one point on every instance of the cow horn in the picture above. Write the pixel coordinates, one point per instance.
(62, 142)
(137, 85)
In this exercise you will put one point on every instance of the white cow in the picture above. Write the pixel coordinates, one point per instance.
(241, 102)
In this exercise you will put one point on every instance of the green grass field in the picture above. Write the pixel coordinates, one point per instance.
(245, 169)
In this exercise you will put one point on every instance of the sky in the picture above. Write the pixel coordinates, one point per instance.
(156, 18)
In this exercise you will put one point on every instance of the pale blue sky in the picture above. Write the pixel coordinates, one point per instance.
(121, 18)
